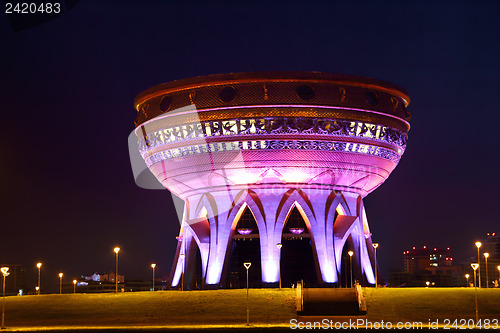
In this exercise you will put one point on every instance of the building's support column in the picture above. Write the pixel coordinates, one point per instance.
(220, 231)
(271, 205)
(352, 225)
(176, 270)
(321, 224)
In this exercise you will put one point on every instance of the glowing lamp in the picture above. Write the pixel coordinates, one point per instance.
(486, 255)
(116, 249)
(5, 271)
(247, 265)
(350, 253)
(375, 245)
(478, 244)
(74, 281)
(245, 231)
(60, 275)
(39, 265)
(296, 231)
(153, 265)
(467, 276)
(474, 266)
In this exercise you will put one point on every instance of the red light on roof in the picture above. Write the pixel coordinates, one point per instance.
(448, 248)
(414, 247)
(446, 258)
(425, 247)
(451, 258)
(435, 249)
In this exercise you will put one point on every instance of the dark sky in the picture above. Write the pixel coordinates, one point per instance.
(67, 90)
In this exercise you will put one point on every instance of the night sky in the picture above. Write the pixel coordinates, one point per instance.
(67, 91)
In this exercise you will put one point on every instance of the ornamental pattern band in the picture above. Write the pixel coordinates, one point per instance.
(272, 125)
(273, 145)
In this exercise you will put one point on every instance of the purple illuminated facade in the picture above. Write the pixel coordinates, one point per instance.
(271, 142)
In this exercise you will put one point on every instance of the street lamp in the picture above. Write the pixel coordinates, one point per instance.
(5, 273)
(486, 255)
(375, 245)
(74, 286)
(38, 265)
(247, 266)
(182, 281)
(279, 246)
(467, 277)
(116, 250)
(153, 267)
(474, 267)
(350, 253)
(60, 283)
(478, 245)
(427, 283)
(498, 267)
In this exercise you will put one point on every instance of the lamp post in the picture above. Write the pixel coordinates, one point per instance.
(5, 273)
(474, 267)
(247, 266)
(350, 253)
(74, 286)
(279, 246)
(486, 255)
(153, 267)
(60, 283)
(467, 277)
(478, 245)
(38, 265)
(498, 267)
(116, 250)
(182, 277)
(375, 245)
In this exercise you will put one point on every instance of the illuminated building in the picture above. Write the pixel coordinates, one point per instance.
(427, 259)
(292, 153)
(428, 264)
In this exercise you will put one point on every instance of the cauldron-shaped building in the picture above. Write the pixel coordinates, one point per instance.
(273, 168)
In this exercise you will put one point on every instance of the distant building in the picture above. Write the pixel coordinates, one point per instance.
(427, 259)
(427, 264)
(109, 277)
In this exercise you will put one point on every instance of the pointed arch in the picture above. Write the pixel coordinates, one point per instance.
(344, 227)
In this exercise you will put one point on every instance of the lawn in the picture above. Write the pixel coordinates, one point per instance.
(422, 304)
(268, 307)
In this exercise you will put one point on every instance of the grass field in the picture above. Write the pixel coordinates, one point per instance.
(422, 304)
(268, 307)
